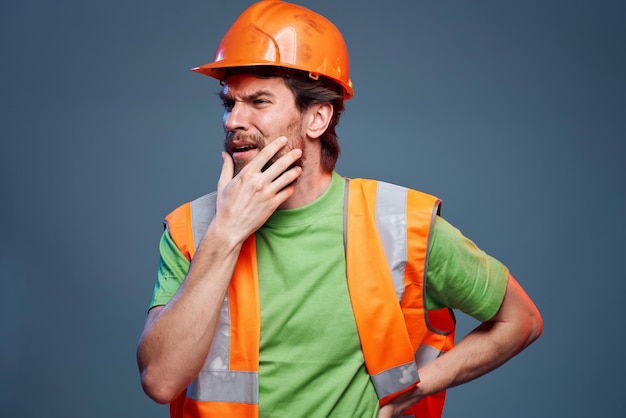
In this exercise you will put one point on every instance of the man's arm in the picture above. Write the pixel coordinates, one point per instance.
(177, 337)
(515, 326)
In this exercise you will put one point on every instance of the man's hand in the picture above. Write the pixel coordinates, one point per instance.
(397, 407)
(246, 201)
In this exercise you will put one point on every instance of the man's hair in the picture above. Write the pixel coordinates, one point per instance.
(308, 93)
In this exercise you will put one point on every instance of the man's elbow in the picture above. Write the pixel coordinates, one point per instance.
(519, 310)
(536, 326)
(158, 389)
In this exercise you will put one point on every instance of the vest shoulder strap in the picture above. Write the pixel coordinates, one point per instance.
(387, 231)
(188, 223)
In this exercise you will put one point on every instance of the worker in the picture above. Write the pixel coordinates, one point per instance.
(292, 291)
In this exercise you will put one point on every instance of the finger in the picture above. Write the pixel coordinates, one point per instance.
(287, 189)
(283, 194)
(267, 153)
(286, 179)
(228, 171)
(283, 163)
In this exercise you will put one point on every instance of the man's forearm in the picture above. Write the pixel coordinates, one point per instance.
(515, 326)
(177, 337)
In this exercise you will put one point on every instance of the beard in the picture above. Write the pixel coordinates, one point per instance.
(296, 139)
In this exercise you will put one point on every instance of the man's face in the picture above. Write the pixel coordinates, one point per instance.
(257, 111)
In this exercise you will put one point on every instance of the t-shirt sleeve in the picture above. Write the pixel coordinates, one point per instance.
(173, 267)
(462, 276)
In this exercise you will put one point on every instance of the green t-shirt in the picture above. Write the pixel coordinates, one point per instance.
(306, 365)
(310, 355)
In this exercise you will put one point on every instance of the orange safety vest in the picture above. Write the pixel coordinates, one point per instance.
(386, 232)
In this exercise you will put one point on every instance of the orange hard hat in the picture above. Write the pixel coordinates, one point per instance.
(280, 34)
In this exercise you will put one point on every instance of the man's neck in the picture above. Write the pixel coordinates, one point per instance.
(309, 187)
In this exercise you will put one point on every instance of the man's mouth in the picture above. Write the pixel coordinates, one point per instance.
(243, 152)
(243, 148)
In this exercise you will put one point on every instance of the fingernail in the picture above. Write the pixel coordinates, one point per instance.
(283, 139)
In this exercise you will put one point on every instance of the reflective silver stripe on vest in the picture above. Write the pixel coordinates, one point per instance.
(202, 213)
(394, 380)
(391, 224)
(425, 354)
(225, 386)
(215, 382)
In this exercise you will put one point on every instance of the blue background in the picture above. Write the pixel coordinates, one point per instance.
(512, 112)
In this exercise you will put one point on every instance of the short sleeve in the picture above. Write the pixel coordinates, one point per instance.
(462, 276)
(173, 267)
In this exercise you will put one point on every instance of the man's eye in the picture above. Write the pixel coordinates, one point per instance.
(261, 101)
(228, 105)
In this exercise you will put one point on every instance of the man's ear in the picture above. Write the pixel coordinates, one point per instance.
(319, 116)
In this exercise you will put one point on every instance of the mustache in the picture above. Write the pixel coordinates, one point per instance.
(253, 139)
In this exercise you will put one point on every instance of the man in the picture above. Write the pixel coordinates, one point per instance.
(294, 292)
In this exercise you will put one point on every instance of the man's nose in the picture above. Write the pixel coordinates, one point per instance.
(235, 119)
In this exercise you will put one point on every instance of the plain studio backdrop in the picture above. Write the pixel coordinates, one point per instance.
(512, 112)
